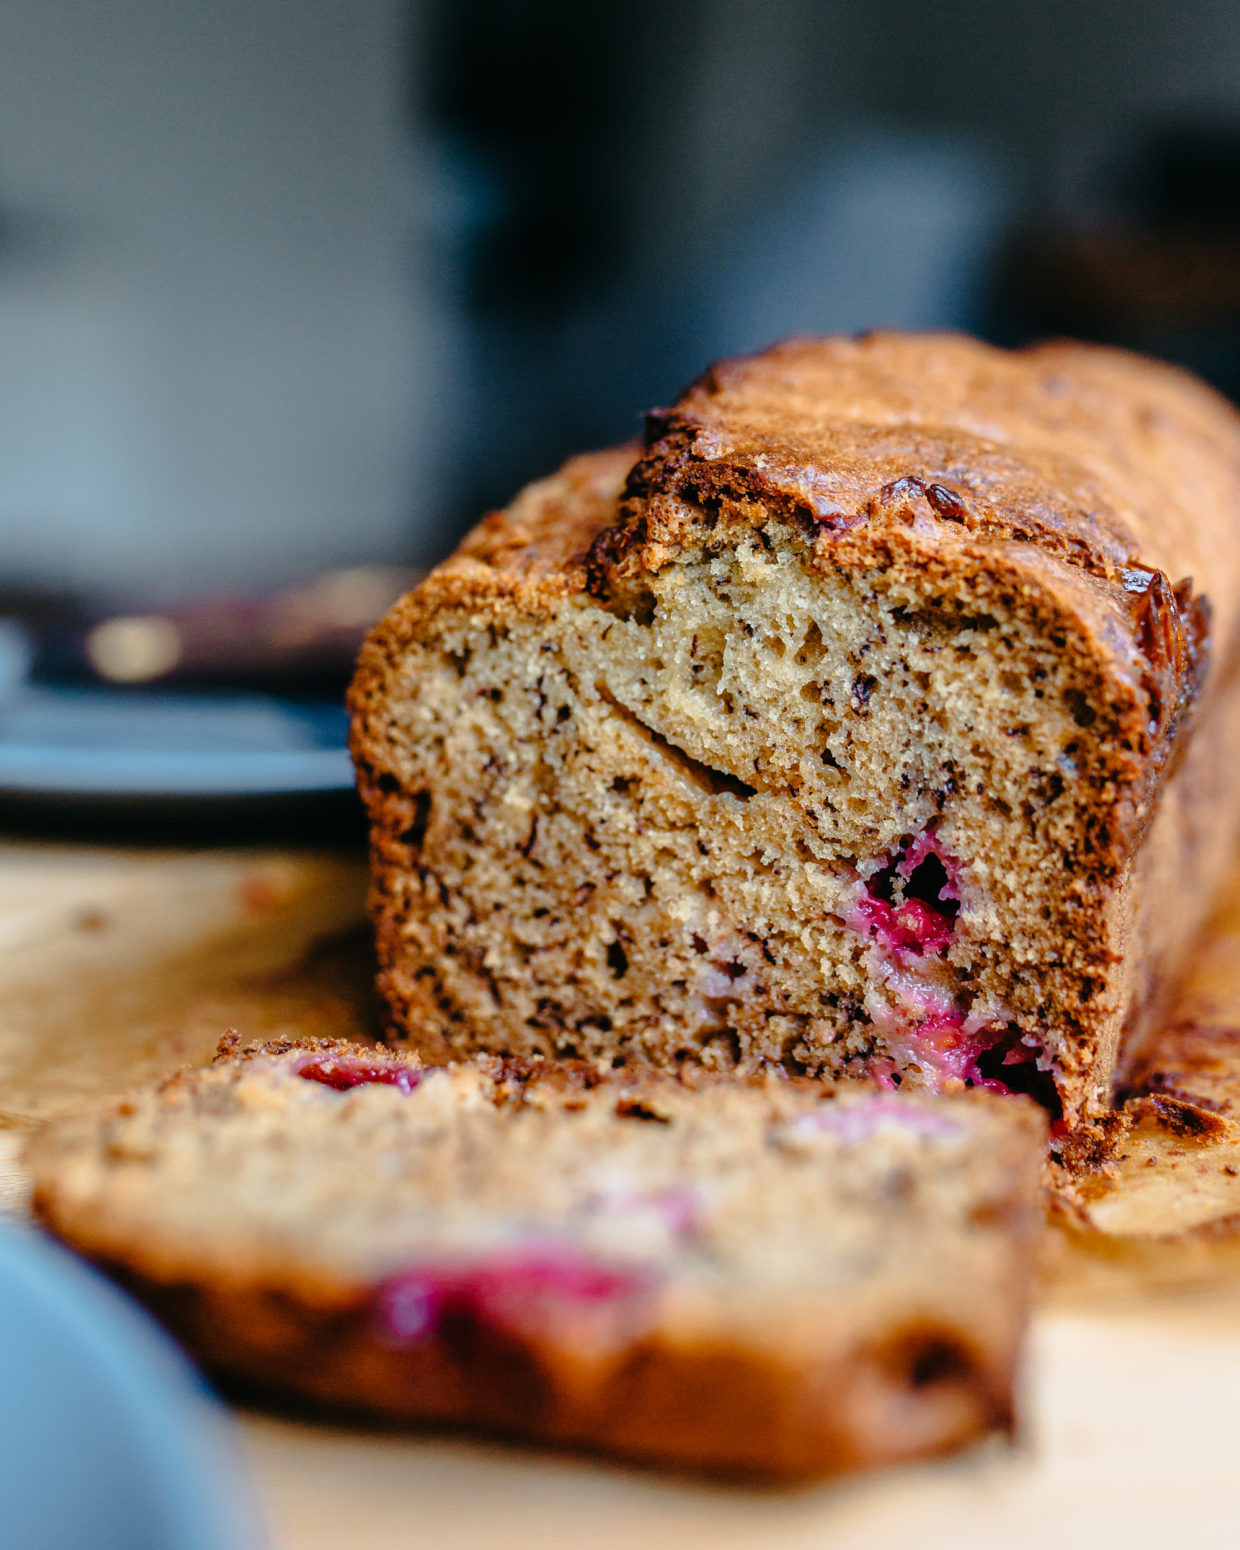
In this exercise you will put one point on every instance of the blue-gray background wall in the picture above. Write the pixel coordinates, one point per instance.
(219, 361)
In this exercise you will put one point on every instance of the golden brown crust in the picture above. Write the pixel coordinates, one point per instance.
(548, 529)
(267, 1219)
(1098, 457)
(534, 550)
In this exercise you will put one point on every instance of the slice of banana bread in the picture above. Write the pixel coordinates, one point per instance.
(755, 1277)
(846, 725)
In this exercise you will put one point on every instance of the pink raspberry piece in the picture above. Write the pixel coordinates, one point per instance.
(927, 879)
(678, 1207)
(943, 1049)
(915, 926)
(520, 1289)
(344, 1072)
(411, 1306)
(856, 1122)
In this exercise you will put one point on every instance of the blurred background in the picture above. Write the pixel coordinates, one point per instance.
(291, 292)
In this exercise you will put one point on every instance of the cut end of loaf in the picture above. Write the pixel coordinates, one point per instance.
(843, 817)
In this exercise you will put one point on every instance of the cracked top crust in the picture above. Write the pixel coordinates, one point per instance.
(1098, 457)
(1087, 468)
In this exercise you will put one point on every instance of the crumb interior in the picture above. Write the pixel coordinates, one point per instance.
(461, 1169)
(838, 818)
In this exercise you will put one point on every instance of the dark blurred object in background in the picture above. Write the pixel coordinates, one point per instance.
(1152, 261)
(175, 753)
(636, 190)
(1185, 181)
(632, 192)
(301, 641)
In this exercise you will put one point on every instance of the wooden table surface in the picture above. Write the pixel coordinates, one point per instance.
(117, 966)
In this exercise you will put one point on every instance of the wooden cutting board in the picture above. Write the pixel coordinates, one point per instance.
(118, 966)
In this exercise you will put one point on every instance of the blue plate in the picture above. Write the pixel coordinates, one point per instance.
(108, 743)
(108, 1439)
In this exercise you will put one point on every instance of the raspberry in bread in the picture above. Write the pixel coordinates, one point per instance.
(845, 725)
(760, 1277)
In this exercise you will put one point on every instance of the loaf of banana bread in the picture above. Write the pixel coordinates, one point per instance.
(875, 717)
(758, 1277)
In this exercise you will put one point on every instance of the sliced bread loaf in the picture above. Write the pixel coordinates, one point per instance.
(761, 1277)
